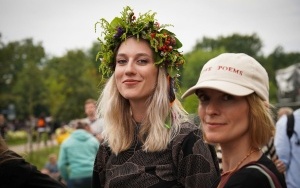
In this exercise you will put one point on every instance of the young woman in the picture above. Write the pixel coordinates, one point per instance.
(233, 90)
(148, 140)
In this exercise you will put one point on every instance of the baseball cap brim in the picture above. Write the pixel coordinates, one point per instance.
(226, 87)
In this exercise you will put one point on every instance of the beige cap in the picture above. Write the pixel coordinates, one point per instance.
(233, 73)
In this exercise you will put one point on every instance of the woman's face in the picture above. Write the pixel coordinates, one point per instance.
(135, 72)
(224, 117)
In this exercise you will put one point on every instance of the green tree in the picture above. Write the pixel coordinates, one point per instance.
(279, 59)
(17, 60)
(29, 91)
(191, 71)
(59, 86)
(235, 43)
(71, 79)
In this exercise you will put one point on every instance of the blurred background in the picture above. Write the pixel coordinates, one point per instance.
(48, 49)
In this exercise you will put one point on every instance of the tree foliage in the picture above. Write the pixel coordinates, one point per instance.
(70, 81)
(58, 86)
(208, 48)
(235, 43)
(20, 71)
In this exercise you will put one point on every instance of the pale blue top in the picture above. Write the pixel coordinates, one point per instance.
(288, 151)
(77, 155)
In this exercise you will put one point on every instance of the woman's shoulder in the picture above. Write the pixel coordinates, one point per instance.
(248, 177)
(256, 174)
(188, 127)
(10, 157)
(189, 130)
(189, 136)
(268, 163)
(16, 168)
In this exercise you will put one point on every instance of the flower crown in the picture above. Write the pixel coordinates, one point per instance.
(163, 42)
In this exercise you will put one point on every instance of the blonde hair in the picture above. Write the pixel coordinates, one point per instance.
(284, 111)
(120, 129)
(261, 121)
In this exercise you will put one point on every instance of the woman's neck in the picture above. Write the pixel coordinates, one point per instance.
(235, 158)
(138, 111)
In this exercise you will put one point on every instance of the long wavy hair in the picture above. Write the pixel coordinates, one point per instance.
(120, 128)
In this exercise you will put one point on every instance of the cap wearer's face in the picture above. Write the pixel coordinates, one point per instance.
(224, 117)
(135, 72)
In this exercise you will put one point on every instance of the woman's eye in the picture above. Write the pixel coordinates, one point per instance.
(142, 61)
(227, 97)
(121, 61)
(202, 97)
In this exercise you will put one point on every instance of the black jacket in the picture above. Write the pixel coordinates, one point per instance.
(15, 172)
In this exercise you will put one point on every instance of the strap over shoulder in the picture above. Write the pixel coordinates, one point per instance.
(273, 180)
(290, 125)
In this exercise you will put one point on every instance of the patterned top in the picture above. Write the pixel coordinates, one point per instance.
(187, 162)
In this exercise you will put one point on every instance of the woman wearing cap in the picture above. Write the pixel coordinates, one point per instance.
(148, 140)
(233, 90)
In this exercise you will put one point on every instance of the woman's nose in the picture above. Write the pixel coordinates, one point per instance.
(130, 68)
(212, 108)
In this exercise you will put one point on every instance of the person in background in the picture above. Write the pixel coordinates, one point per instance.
(16, 172)
(42, 129)
(284, 111)
(288, 149)
(233, 93)
(76, 157)
(61, 134)
(96, 123)
(148, 139)
(270, 151)
(270, 147)
(51, 167)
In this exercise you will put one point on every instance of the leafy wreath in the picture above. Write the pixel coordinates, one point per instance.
(163, 42)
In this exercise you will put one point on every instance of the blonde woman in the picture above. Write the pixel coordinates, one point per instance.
(149, 141)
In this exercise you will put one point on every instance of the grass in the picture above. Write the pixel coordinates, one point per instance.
(13, 138)
(40, 157)
(37, 157)
(14, 142)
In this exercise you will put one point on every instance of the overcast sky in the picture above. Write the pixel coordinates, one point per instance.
(63, 25)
